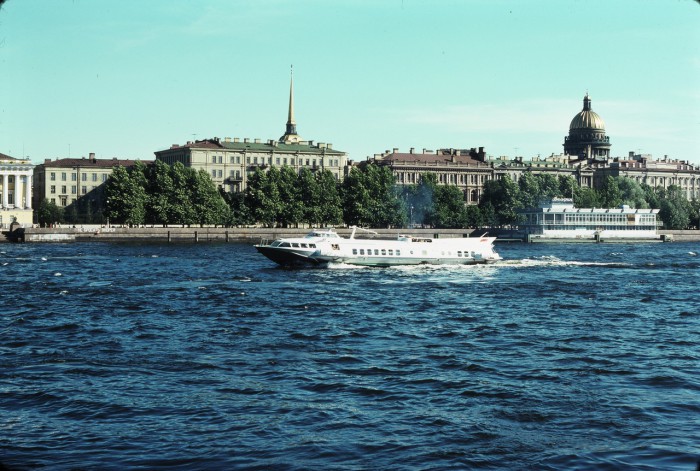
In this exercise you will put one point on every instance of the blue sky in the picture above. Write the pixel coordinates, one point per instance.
(124, 79)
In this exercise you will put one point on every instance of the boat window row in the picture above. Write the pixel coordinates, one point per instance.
(598, 227)
(297, 245)
(587, 218)
(377, 252)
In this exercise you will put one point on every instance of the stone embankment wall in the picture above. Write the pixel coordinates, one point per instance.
(240, 234)
(201, 234)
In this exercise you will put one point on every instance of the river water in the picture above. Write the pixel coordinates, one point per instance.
(208, 356)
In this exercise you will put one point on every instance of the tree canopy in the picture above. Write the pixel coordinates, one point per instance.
(368, 196)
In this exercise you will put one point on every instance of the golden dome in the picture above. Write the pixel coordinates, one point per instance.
(587, 119)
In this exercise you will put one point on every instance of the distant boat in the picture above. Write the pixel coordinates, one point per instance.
(326, 246)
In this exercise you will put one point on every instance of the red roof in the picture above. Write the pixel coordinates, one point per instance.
(431, 158)
(7, 157)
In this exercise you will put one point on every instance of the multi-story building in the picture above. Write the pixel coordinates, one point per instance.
(464, 168)
(231, 161)
(586, 158)
(64, 181)
(16, 182)
(655, 173)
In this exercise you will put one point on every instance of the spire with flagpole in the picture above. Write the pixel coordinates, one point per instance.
(291, 136)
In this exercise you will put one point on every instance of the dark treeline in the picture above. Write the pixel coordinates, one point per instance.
(161, 194)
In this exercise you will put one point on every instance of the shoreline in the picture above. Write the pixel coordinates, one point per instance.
(255, 234)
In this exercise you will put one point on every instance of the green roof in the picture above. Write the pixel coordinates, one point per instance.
(279, 147)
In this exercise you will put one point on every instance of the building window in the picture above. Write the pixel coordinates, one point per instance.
(277, 160)
(221, 173)
(238, 159)
(73, 177)
(285, 160)
(53, 176)
(84, 190)
(53, 189)
(221, 159)
(84, 177)
(213, 159)
(104, 177)
(63, 190)
(63, 176)
(73, 189)
(213, 173)
(94, 177)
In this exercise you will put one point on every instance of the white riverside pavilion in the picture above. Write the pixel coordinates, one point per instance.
(559, 219)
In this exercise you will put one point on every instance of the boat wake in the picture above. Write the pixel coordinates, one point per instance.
(551, 261)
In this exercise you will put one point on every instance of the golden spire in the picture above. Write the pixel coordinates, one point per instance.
(290, 118)
(290, 136)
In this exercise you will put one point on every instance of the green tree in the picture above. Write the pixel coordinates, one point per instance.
(529, 190)
(418, 200)
(675, 211)
(49, 213)
(586, 198)
(262, 198)
(310, 195)
(631, 193)
(356, 199)
(610, 194)
(238, 214)
(182, 209)
(695, 214)
(329, 201)
(449, 207)
(502, 195)
(125, 196)
(549, 186)
(567, 186)
(209, 207)
(292, 210)
(474, 216)
(160, 187)
(651, 196)
(385, 207)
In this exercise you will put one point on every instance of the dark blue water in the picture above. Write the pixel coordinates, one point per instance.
(210, 357)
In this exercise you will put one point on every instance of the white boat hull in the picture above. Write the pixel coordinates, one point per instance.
(325, 247)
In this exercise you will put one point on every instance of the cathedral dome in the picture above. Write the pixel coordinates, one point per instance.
(587, 119)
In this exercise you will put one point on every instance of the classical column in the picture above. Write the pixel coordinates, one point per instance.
(28, 192)
(17, 193)
(5, 185)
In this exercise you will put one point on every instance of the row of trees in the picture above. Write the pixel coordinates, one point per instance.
(368, 196)
(502, 198)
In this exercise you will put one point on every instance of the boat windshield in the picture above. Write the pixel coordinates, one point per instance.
(326, 234)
